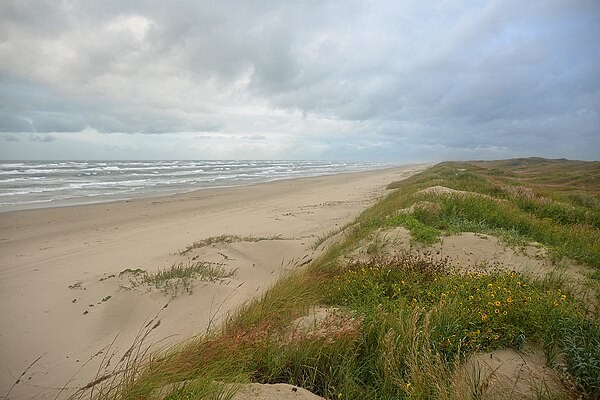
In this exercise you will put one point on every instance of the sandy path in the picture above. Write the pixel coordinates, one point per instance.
(44, 251)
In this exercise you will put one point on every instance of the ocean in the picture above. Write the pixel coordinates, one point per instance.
(35, 184)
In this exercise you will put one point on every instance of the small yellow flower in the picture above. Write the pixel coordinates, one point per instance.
(497, 304)
(483, 317)
(339, 395)
(563, 297)
(408, 386)
(496, 311)
(509, 300)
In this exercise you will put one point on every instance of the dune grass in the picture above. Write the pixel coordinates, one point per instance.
(518, 204)
(179, 278)
(419, 318)
(330, 233)
(226, 238)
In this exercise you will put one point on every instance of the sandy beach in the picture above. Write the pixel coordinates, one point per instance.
(62, 296)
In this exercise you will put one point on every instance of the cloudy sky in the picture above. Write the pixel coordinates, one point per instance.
(400, 81)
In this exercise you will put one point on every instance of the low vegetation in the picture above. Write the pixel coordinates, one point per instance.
(227, 238)
(510, 200)
(329, 234)
(179, 278)
(412, 321)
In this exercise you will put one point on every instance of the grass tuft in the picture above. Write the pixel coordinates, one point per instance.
(322, 238)
(179, 278)
(227, 238)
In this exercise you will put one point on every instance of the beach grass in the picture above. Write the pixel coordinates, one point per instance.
(555, 207)
(411, 322)
(180, 277)
(329, 234)
(226, 238)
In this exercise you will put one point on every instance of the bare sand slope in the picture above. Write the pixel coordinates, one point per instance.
(60, 301)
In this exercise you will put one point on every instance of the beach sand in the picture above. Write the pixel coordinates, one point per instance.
(60, 300)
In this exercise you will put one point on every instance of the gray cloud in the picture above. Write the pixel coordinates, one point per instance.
(255, 137)
(384, 80)
(9, 138)
(42, 139)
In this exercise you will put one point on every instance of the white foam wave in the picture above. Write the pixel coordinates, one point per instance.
(32, 182)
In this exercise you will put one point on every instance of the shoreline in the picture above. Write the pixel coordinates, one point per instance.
(63, 296)
(165, 191)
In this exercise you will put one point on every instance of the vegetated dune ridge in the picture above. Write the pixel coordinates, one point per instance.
(471, 280)
(73, 290)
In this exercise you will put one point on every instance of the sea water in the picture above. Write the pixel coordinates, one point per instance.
(33, 184)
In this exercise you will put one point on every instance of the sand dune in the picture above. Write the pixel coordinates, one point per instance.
(64, 298)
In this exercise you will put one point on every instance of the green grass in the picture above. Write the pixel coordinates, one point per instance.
(552, 210)
(420, 231)
(489, 310)
(415, 318)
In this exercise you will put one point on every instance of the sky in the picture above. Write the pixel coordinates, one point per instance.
(397, 81)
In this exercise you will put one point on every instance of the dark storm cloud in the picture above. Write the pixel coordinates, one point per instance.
(369, 79)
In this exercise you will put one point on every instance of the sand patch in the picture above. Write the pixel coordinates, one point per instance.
(329, 323)
(249, 391)
(508, 374)
(446, 191)
(442, 190)
(484, 253)
(278, 391)
(474, 251)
